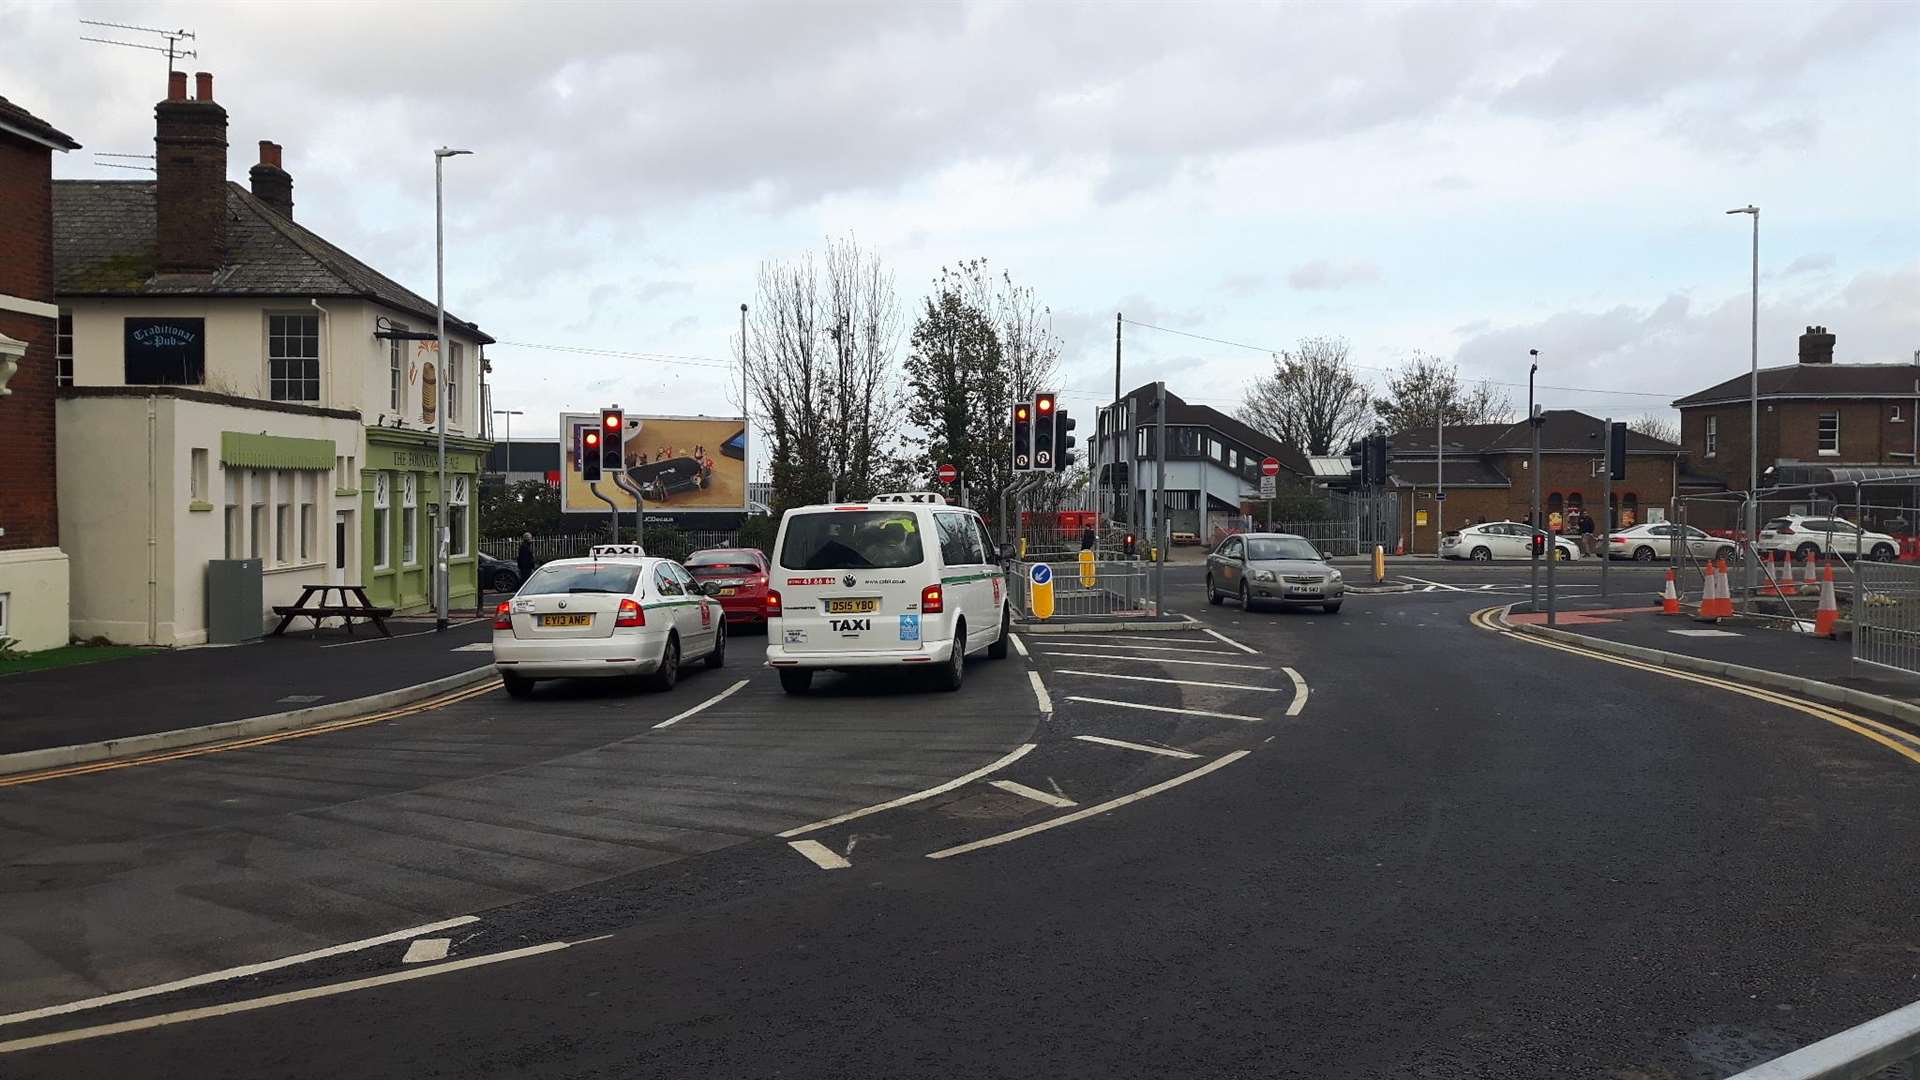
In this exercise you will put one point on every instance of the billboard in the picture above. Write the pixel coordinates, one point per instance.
(679, 464)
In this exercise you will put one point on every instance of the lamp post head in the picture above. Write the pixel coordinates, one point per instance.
(1744, 210)
(444, 152)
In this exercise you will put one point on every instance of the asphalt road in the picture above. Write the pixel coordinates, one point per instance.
(1454, 854)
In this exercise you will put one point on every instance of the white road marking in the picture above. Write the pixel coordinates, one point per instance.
(1164, 709)
(939, 789)
(1484, 588)
(1130, 637)
(1040, 692)
(1230, 641)
(1020, 646)
(1142, 747)
(1055, 785)
(1155, 660)
(1100, 808)
(1430, 588)
(330, 990)
(1704, 633)
(819, 854)
(426, 949)
(1171, 682)
(1147, 648)
(232, 972)
(1035, 794)
(709, 703)
(1299, 692)
(478, 646)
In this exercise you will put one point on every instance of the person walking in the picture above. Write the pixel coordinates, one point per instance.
(1586, 532)
(525, 558)
(1086, 537)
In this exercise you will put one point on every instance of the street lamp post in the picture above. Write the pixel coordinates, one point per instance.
(1533, 514)
(509, 414)
(441, 530)
(1753, 417)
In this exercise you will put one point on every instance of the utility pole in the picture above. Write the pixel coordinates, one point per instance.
(1161, 534)
(1606, 501)
(746, 412)
(1123, 451)
(1439, 482)
(441, 531)
(1748, 550)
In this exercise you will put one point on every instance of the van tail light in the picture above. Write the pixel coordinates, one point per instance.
(503, 616)
(773, 603)
(932, 600)
(630, 614)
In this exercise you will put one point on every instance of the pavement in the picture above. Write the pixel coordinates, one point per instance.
(1382, 843)
(182, 688)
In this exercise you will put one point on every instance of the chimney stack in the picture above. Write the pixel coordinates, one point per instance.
(271, 182)
(1816, 346)
(190, 161)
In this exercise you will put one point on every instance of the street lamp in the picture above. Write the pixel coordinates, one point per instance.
(442, 532)
(1753, 419)
(1533, 512)
(509, 414)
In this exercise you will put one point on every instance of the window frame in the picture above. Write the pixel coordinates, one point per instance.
(1820, 434)
(1713, 436)
(63, 348)
(397, 374)
(450, 392)
(382, 521)
(282, 382)
(409, 519)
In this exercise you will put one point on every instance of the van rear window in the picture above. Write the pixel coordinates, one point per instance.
(851, 540)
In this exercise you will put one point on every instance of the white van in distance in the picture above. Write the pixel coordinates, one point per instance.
(901, 580)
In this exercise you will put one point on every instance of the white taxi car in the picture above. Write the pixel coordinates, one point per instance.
(614, 613)
(899, 581)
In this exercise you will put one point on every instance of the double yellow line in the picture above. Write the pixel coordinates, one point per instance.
(1895, 739)
(259, 740)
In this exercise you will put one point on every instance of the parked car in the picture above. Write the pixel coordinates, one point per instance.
(1804, 535)
(737, 577)
(498, 575)
(1501, 540)
(615, 613)
(1647, 542)
(1273, 567)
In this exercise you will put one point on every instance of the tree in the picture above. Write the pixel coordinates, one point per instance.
(1311, 400)
(1655, 426)
(528, 506)
(1425, 389)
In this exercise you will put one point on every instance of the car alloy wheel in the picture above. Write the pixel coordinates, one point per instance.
(1246, 597)
(669, 671)
(1481, 554)
(1643, 554)
(717, 656)
(1213, 594)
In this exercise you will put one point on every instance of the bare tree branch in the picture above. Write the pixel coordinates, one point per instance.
(1312, 399)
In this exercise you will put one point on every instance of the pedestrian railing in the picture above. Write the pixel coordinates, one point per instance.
(545, 548)
(1886, 615)
(1118, 588)
(1878, 1047)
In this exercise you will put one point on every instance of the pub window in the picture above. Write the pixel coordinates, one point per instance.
(457, 516)
(382, 531)
(456, 365)
(396, 375)
(409, 518)
(63, 351)
(165, 352)
(293, 357)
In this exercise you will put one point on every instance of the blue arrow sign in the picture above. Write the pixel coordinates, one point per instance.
(1041, 573)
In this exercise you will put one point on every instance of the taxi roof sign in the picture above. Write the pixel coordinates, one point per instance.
(932, 497)
(616, 551)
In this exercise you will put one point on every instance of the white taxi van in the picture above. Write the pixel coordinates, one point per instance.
(615, 613)
(899, 581)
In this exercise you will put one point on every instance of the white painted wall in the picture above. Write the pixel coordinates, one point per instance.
(34, 582)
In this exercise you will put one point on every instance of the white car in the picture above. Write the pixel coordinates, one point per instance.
(1802, 535)
(1647, 542)
(614, 613)
(1500, 540)
(903, 580)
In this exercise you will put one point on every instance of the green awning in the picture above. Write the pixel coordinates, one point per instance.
(247, 451)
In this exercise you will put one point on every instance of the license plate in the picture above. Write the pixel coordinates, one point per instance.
(566, 620)
(728, 592)
(852, 607)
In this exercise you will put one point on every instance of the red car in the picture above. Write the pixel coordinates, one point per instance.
(741, 574)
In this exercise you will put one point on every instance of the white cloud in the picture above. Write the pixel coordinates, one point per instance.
(1325, 274)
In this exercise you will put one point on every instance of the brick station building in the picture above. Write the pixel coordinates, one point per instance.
(1487, 473)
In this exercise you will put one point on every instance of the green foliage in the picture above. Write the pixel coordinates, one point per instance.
(758, 531)
(530, 506)
(668, 542)
(10, 649)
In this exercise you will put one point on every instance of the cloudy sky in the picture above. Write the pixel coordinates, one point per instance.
(1472, 180)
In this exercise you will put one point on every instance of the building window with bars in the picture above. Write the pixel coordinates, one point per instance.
(293, 357)
(1829, 434)
(63, 350)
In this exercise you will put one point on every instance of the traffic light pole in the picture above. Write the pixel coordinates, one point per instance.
(639, 513)
(1606, 500)
(613, 507)
(1161, 534)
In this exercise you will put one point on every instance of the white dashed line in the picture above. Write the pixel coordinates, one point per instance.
(1040, 693)
(819, 854)
(939, 789)
(1154, 660)
(1130, 637)
(1020, 646)
(1299, 692)
(426, 949)
(1170, 682)
(1164, 709)
(1095, 810)
(1146, 648)
(709, 703)
(1230, 641)
(1142, 747)
(1035, 794)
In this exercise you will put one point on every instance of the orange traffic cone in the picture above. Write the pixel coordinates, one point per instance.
(1781, 566)
(1401, 548)
(1669, 600)
(1808, 583)
(1709, 593)
(1828, 612)
(1723, 591)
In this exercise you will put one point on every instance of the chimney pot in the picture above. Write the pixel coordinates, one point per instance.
(270, 182)
(190, 182)
(1816, 346)
(203, 86)
(176, 86)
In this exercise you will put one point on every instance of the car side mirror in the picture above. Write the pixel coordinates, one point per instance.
(710, 588)
(1004, 552)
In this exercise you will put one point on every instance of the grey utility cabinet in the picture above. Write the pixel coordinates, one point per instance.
(233, 601)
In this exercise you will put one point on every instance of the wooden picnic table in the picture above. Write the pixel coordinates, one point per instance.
(353, 604)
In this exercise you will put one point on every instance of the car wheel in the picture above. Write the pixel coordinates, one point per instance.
(954, 671)
(518, 686)
(1882, 553)
(1246, 597)
(1213, 594)
(1806, 551)
(1331, 609)
(1481, 554)
(717, 656)
(998, 650)
(796, 680)
(505, 582)
(1643, 554)
(668, 672)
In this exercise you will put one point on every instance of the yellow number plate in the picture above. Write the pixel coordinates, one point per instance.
(566, 620)
(728, 592)
(852, 607)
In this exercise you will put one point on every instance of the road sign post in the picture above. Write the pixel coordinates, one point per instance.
(1269, 484)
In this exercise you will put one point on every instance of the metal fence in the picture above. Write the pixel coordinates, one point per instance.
(1122, 588)
(1886, 615)
(545, 548)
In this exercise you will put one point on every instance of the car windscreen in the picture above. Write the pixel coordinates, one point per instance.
(1261, 550)
(852, 540)
(583, 578)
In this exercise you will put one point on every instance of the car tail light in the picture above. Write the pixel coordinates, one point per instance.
(630, 614)
(932, 600)
(773, 603)
(1784, 530)
(1619, 539)
(503, 616)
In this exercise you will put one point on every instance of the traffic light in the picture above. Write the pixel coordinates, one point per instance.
(1357, 458)
(1043, 432)
(589, 454)
(1063, 441)
(613, 426)
(1377, 460)
(1022, 437)
(1617, 450)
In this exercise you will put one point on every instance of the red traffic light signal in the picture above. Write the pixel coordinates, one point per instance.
(1044, 403)
(590, 454)
(611, 420)
(593, 440)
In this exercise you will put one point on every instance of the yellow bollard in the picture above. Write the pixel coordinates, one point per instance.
(1088, 577)
(1023, 547)
(1379, 564)
(1153, 554)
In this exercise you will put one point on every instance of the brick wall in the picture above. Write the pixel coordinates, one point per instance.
(1649, 480)
(26, 229)
(27, 510)
(1791, 430)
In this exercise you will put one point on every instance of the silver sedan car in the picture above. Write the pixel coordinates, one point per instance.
(1277, 568)
(1645, 543)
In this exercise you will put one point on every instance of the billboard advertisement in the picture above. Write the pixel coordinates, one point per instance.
(679, 464)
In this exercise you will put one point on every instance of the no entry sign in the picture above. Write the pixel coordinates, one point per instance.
(947, 474)
(1270, 467)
